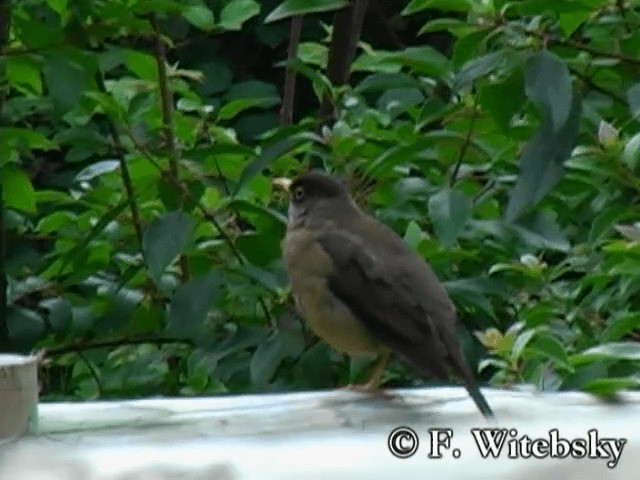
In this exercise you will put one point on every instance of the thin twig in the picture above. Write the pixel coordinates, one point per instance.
(289, 90)
(92, 370)
(166, 101)
(82, 345)
(4, 308)
(588, 81)
(207, 215)
(124, 170)
(5, 18)
(166, 98)
(567, 42)
(465, 146)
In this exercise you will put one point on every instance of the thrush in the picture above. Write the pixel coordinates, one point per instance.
(362, 290)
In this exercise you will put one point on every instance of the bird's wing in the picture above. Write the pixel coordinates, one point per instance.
(392, 301)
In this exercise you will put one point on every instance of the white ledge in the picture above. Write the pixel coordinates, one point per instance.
(332, 434)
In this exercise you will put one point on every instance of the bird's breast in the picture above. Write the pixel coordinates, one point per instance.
(309, 269)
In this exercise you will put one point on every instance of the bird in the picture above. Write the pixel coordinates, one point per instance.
(362, 290)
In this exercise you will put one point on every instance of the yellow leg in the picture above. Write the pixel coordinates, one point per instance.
(372, 385)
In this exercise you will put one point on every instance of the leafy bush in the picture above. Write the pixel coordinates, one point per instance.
(139, 138)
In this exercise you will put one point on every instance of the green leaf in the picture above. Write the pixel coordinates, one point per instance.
(633, 97)
(23, 139)
(24, 74)
(621, 326)
(384, 81)
(548, 85)
(413, 235)
(540, 230)
(415, 6)
(97, 169)
(263, 277)
(449, 210)
(59, 6)
(521, 341)
(608, 351)
(610, 386)
(424, 59)
(603, 223)
(313, 53)
(142, 64)
(631, 154)
(569, 22)
(236, 12)
(503, 99)
(315, 364)
(60, 313)
(17, 191)
(199, 15)
(541, 163)
(67, 80)
(272, 152)
(290, 8)
(164, 239)
(550, 347)
(191, 303)
(25, 327)
(269, 355)
(246, 95)
(477, 68)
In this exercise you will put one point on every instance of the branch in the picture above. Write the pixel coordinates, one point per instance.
(347, 26)
(5, 26)
(4, 308)
(289, 90)
(207, 215)
(588, 81)
(567, 42)
(124, 169)
(166, 100)
(465, 146)
(92, 370)
(82, 345)
(5, 18)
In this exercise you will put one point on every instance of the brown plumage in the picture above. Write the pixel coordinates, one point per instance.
(362, 290)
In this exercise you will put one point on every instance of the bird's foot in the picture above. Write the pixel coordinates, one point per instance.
(370, 388)
(363, 388)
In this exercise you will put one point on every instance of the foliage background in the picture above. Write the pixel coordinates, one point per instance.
(140, 234)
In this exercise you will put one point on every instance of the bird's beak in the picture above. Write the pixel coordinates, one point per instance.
(282, 182)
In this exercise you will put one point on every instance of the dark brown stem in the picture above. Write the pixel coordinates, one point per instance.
(207, 215)
(166, 100)
(5, 18)
(465, 146)
(124, 172)
(289, 90)
(588, 81)
(82, 345)
(567, 42)
(347, 26)
(4, 308)
(128, 184)
(92, 370)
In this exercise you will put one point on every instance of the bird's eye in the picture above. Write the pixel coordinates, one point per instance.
(298, 194)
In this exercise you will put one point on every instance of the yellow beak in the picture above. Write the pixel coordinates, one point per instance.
(282, 182)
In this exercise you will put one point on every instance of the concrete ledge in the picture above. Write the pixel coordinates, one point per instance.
(332, 434)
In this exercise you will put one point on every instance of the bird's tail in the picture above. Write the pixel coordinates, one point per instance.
(479, 400)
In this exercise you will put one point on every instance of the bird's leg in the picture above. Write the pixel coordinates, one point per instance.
(372, 385)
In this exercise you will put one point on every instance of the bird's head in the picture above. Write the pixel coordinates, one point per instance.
(316, 194)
